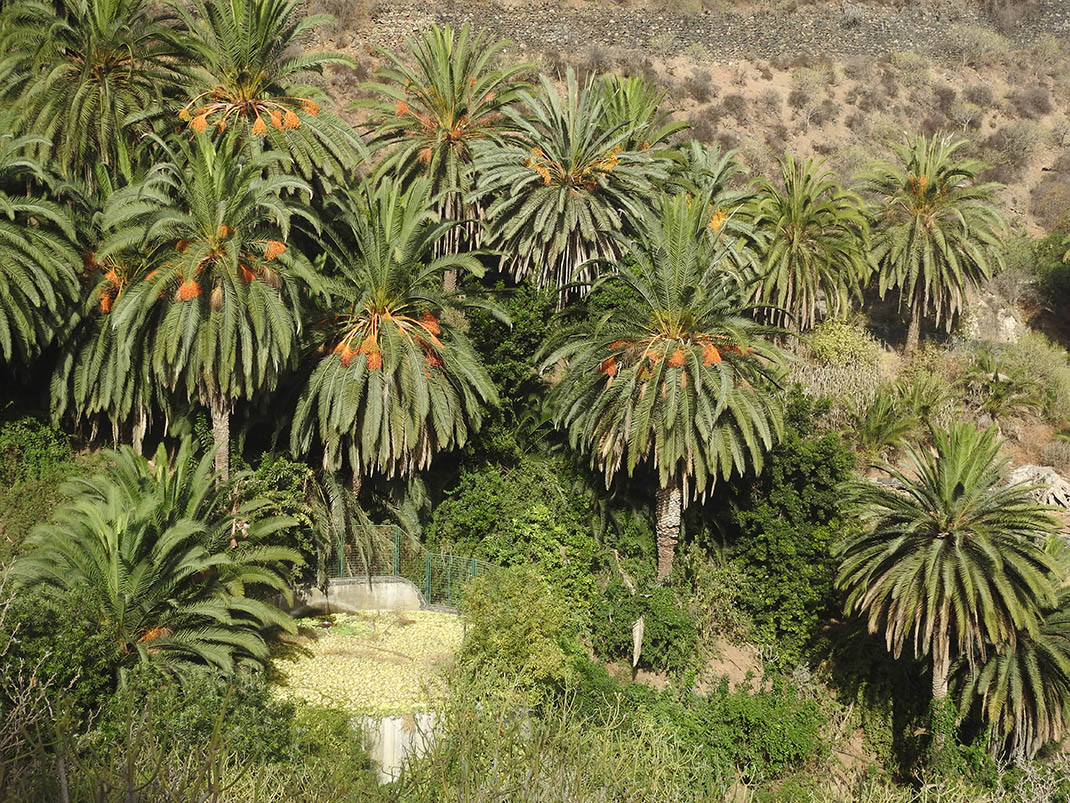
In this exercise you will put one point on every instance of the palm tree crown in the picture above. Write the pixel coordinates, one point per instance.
(937, 230)
(952, 558)
(401, 381)
(676, 374)
(818, 241)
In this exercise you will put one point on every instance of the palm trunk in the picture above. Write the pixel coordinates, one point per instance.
(221, 436)
(668, 516)
(355, 483)
(941, 670)
(449, 281)
(914, 331)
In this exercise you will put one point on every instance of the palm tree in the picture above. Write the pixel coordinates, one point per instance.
(952, 557)
(1023, 690)
(676, 375)
(401, 381)
(430, 111)
(88, 75)
(220, 305)
(633, 103)
(937, 230)
(819, 237)
(560, 200)
(166, 559)
(37, 258)
(249, 75)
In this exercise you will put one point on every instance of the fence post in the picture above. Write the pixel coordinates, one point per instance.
(397, 550)
(473, 567)
(427, 580)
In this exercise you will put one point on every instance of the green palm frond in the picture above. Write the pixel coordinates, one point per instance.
(401, 382)
(636, 105)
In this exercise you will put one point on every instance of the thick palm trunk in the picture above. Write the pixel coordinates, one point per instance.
(914, 330)
(668, 516)
(355, 483)
(221, 436)
(941, 670)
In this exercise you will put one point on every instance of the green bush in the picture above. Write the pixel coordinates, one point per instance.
(515, 629)
(1036, 363)
(670, 634)
(782, 525)
(839, 343)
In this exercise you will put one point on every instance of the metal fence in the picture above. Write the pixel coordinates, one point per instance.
(384, 551)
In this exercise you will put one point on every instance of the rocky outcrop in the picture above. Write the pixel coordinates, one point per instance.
(1052, 487)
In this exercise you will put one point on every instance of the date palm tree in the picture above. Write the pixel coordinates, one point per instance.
(937, 229)
(816, 256)
(250, 76)
(952, 559)
(430, 107)
(38, 262)
(635, 104)
(87, 75)
(558, 201)
(677, 376)
(1023, 690)
(401, 382)
(219, 309)
(167, 560)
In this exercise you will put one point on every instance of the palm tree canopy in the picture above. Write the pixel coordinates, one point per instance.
(678, 374)
(250, 75)
(816, 254)
(559, 200)
(937, 230)
(87, 75)
(953, 556)
(636, 105)
(401, 381)
(166, 559)
(38, 262)
(221, 300)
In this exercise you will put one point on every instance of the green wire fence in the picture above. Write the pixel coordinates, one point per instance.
(384, 551)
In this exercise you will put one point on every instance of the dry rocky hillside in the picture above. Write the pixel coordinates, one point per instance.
(821, 79)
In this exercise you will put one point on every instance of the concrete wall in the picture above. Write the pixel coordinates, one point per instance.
(391, 740)
(352, 595)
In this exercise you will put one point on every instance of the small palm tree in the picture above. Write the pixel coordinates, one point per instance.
(1023, 690)
(167, 560)
(636, 105)
(219, 309)
(401, 381)
(560, 200)
(431, 108)
(37, 258)
(676, 376)
(937, 229)
(249, 76)
(816, 255)
(87, 75)
(952, 558)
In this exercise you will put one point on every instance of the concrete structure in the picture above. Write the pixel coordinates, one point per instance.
(356, 594)
(390, 741)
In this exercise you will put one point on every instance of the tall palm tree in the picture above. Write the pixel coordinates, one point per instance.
(220, 305)
(250, 75)
(1023, 690)
(952, 557)
(676, 376)
(37, 258)
(431, 106)
(633, 103)
(167, 560)
(401, 381)
(819, 238)
(88, 75)
(559, 200)
(937, 229)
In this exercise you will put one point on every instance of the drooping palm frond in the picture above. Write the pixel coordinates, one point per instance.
(401, 382)
(250, 75)
(166, 559)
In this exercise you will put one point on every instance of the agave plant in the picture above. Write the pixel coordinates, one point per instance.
(37, 258)
(678, 377)
(937, 229)
(401, 381)
(219, 310)
(167, 560)
(561, 200)
(816, 255)
(247, 78)
(432, 106)
(87, 75)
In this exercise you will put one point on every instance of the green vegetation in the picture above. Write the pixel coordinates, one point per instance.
(740, 547)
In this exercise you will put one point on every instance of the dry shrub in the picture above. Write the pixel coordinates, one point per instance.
(1056, 454)
(736, 106)
(1031, 103)
(699, 85)
(770, 101)
(975, 46)
(980, 94)
(349, 15)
